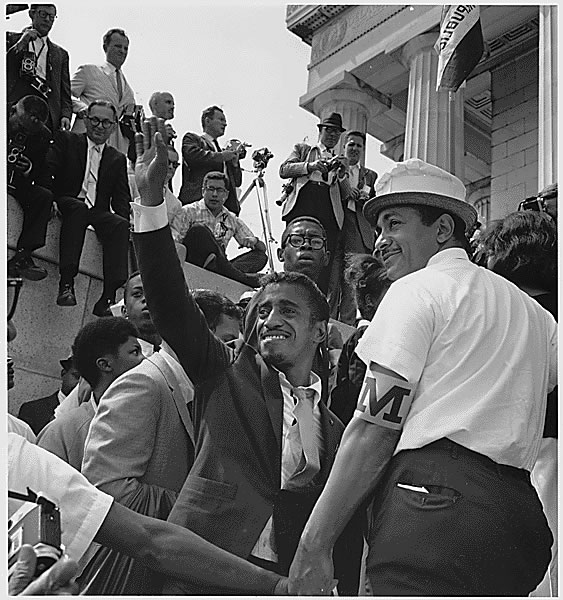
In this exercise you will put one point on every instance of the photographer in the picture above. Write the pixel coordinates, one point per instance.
(35, 65)
(317, 176)
(28, 142)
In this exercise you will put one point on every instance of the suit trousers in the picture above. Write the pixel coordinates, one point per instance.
(314, 201)
(111, 229)
(200, 243)
(341, 297)
(479, 530)
(36, 202)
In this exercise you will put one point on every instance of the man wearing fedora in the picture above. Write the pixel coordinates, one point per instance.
(317, 174)
(450, 416)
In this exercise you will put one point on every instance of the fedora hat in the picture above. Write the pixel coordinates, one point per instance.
(333, 120)
(417, 182)
(67, 363)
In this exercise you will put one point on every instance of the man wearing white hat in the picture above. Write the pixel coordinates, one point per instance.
(450, 415)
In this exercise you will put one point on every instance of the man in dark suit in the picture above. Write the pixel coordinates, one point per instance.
(202, 153)
(356, 235)
(37, 413)
(265, 438)
(88, 177)
(35, 65)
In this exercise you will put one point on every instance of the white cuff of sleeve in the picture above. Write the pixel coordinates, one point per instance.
(148, 218)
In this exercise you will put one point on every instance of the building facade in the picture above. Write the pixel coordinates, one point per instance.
(377, 66)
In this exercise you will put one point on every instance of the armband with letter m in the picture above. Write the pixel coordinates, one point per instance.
(384, 399)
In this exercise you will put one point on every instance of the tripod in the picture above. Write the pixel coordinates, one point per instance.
(259, 185)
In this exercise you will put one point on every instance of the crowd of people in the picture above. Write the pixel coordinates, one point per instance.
(203, 446)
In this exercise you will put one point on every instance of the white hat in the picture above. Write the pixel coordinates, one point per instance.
(417, 182)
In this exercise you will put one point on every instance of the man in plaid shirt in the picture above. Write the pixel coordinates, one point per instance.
(208, 228)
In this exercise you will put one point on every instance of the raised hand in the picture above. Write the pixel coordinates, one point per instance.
(151, 165)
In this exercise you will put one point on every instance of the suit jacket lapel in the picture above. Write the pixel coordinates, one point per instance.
(273, 398)
(179, 399)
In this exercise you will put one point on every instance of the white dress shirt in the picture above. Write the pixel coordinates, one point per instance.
(39, 47)
(481, 354)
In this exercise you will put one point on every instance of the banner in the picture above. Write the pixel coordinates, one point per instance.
(459, 45)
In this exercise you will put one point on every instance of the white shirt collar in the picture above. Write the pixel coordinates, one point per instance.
(447, 255)
(315, 384)
(60, 396)
(209, 138)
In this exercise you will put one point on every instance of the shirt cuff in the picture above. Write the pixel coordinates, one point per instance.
(148, 218)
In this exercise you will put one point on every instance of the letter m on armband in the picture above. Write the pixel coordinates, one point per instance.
(384, 400)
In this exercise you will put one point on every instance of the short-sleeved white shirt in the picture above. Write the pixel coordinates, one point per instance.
(481, 353)
(82, 506)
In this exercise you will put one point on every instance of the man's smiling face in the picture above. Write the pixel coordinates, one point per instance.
(405, 244)
(287, 335)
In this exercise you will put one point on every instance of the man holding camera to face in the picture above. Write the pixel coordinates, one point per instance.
(316, 175)
(35, 65)
(28, 142)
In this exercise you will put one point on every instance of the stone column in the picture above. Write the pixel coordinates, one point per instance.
(547, 98)
(427, 124)
(355, 106)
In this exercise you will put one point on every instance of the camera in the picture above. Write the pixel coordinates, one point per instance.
(16, 147)
(287, 190)
(38, 525)
(27, 66)
(261, 157)
(27, 71)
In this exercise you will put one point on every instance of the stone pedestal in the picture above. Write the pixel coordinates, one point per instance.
(547, 131)
(434, 126)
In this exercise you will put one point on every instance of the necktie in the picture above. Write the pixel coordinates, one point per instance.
(216, 143)
(310, 463)
(93, 167)
(119, 84)
(354, 182)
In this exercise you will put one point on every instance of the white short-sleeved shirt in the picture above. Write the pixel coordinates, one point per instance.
(481, 354)
(82, 506)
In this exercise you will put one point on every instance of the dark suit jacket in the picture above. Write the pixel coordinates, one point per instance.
(234, 486)
(58, 79)
(64, 173)
(37, 413)
(198, 158)
(35, 148)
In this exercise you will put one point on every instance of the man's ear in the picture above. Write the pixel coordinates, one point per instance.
(280, 254)
(326, 259)
(124, 311)
(445, 226)
(103, 364)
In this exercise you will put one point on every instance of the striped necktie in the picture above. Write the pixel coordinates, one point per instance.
(119, 84)
(93, 168)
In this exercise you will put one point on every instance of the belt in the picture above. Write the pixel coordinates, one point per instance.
(456, 450)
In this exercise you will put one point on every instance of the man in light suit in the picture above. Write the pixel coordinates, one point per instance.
(140, 446)
(87, 177)
(356, 235)
(107, 82)
(50, 66)
(317, 176)
(202, 154)
(251, 487)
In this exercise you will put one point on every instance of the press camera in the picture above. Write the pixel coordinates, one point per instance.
(16, 147)
(39, 526)
(261, 157)
(28, 72)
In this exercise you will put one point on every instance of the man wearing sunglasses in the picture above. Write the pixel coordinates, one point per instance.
(89, 181)
(35, 65)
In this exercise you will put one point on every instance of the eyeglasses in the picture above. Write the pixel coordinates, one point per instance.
(105, 123)
(173, 163)
(213, 190)
(45, 15)
(315, 241)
